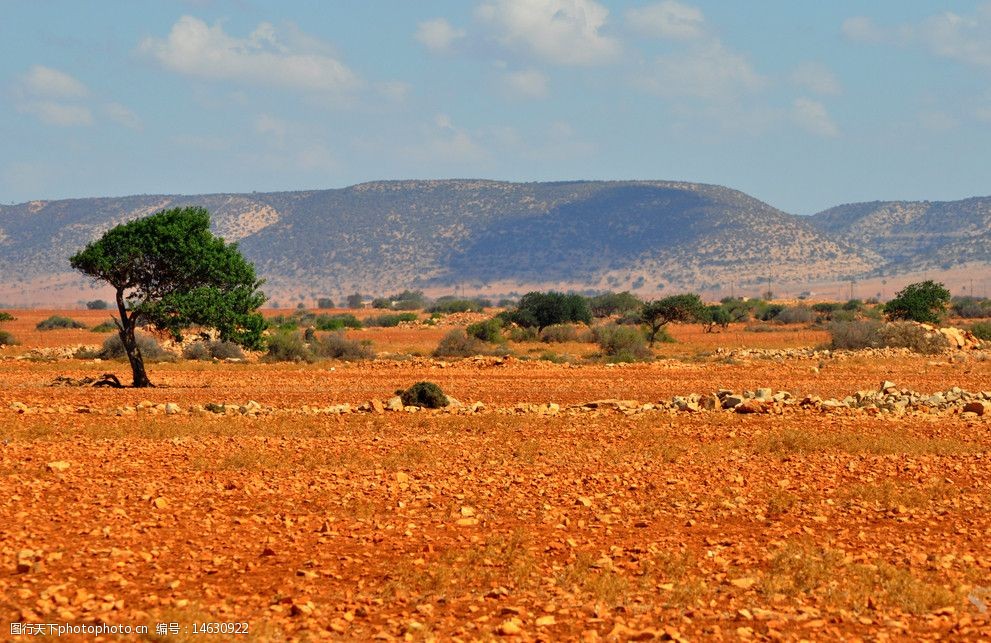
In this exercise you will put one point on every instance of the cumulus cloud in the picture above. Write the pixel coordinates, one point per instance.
(59, 114)
(528, 83)
(816, 78)
(861, 29)
(194, 48)
(438, 34)
(708, 71)
(53, 97)
(45, 81)
(668, 19)
(812, 116)
(564, 32)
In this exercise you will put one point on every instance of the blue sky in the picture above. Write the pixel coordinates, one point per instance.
(804, 105)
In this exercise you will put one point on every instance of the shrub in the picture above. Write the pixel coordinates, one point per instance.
(458, 343)
(450, 304)
(97, 304)
(826, 309)
(6, 317)
(922, 302)
(982, 330)
(57, 322)
(853, 304)
(151, 350)
(614, 303)
(542, 309)
(794, 315)
(104, 327)
(913, 337)
(854, 335)
(287, 346)
(337, 346)
(523, 334)
(489, 330)
(559, 333)
(622, 343)
(325, 302)
(213, 350)
(425, 394)
(406, 300)
(767, 312)
(970, 307)
(716, 316)
(6, 339)
(354, 300)
(681, 308)
(335, 322)
(390, 321)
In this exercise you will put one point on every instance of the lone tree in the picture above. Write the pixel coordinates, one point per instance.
(924, 301)
(683, 308)
(170, 272)
(543, 309)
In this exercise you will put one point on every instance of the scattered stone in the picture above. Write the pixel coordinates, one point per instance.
(58, 466)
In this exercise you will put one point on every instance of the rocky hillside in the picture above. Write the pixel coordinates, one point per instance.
(499, 238)
(914, 235)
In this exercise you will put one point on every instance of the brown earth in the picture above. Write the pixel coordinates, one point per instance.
(707, 526)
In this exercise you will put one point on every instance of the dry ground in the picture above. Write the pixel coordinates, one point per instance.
(704, 526)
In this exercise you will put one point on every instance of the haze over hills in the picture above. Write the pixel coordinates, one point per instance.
(498, 238)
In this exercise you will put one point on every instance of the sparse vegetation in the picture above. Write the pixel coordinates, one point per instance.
(425, 394)
(559, 334)
(543, 309)
(58, 322)
(206, 350)
(6, 339)
(287, 346)
(104, 327)
(151, 350)
(389, 320)
(5, 316)
(97, 304)
(449, 304)
(622, 343)
(981, 330)
(336, 345)
(489, 331)
(457, 343)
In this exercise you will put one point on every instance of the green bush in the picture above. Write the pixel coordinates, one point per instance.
(97, 304)
(853, 305)
(151, 350)
(104, 327)
(542, 309)
(325, 303)
(559, 333)
(57, 322)
(489, 331)
(390, 321)
(614, 303)
(523, 334)
(924, 302)
(794, 315)
(203, 350)
(6, 317)
(319, 321)
(448, 305)
(6, 339)
(337, 346)
(287, 346)
(622, 343)
(458, 343)
(425, 394)
(981, 330)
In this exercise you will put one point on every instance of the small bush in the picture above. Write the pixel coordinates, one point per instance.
(6, 339)
(523, 334)
(335, 322)
(854, 335)
(489, 331)
(287, 346)
(151, 350)
(390, 321)
(913, 337)
(105, 327)
(982, 330)
(425, 394)
(761, 328)
(794, 315)
(325, 302)
(559, 333)
(202, 350)
(57, 322)
(622, 343)
(97, 304)
(458, 343)
(450, 305)
(337, 346)
(6, 317)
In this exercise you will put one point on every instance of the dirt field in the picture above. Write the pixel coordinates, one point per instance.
(306, 522)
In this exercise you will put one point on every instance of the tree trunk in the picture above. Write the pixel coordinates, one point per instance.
(126, 331)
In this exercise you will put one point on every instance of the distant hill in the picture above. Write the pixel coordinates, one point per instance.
(914, 235)
(498, 238)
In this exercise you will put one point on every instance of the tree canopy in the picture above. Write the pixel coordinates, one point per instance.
(543, 309)
(683, 308)
(924, 301)
(170, 272)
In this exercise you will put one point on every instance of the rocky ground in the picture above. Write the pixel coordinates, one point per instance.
(772, 495)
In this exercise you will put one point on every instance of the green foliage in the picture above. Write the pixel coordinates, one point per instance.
(6, 339)
(169, 271)
(981, 330)
(204, 350)
(151, 350)
(354, 300)
(825, 309)
(489, 331)
(872, 334)
(6, 317)
(682, 308)
(970, 307)
(523, 334)
(559, 333)
(622, 343)
(614, 303)
(338, 346)
(541, 309)
(457, 343)
(390, 320)
(450, 304)
(324, 303)
(854, 305)
(319, 321)
(406, 300)
(108, 326)
(57, 322)
(97, 304)
(924, 302)
(766, 311)
(716, 316)
(424, 394)
(287, 346)
(794, 315)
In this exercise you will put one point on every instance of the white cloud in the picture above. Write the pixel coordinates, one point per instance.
(708, 71)
(527, 83)
(564, 32)
(816, 78)
(196, 49)
(862, 29)
(45, 81)
(438, 34)
(812, 116)
(668, 19)
(448, 143)
(122, 115)
(60, 114)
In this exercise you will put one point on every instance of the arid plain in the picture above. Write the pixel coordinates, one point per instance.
(575, 502)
